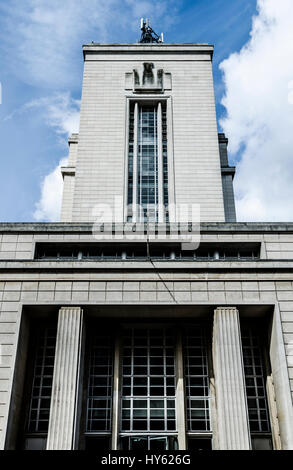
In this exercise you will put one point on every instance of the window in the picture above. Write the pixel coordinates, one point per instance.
(148, 380)
(39, 386)
(148, 365)
(138, 251)
(255, 381)
(99, 395)
(38, 420)
(153, 443)
(147, 161)
(196, 380)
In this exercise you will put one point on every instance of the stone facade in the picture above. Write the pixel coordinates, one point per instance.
(252, 286)
(102, 142)
(61, 274)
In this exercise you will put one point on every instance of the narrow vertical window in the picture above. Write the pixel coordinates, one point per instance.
(255, 381)
(147, 161)
(99, 397)
(196, 380)
(39, 411)
(147, 168)
(197, 390)
(130, 153)
(165, 158)
(38, 388)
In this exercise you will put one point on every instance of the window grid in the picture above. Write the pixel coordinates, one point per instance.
(148, 160)
(104, 252)
(165, 155)
(196, 379)
(130, 153)
(148, 381)
(255, 381)
(99, 399)
(39, 410)
(147, 152)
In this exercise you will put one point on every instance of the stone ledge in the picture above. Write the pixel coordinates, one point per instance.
(205, 227)
(89, 265)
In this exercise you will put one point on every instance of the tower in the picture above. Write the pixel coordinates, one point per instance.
(148, 135)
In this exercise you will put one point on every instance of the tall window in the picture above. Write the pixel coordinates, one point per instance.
(147, 159)
(39, 386)
(196, 380)
(147, 162)
(255, 380)
(165, 159)
(148, 381)
(99, 398)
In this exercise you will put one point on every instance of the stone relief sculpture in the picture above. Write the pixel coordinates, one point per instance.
(147, 78)
(148, 75)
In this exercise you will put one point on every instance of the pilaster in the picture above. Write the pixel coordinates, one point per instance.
(65, 378)
(232, 417)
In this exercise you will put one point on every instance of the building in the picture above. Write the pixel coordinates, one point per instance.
(119, 343)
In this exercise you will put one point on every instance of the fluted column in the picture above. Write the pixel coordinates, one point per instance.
(232, 418)
(65, 378)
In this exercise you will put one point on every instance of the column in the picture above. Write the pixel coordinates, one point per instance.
(134, 171)
(65, 379)
(160, 166)
(232, 418)
(180, 395)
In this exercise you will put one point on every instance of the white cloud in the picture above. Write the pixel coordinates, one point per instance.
(49, 206)
(41, 44)
(61, 112)
(259, 120)
(42, 39)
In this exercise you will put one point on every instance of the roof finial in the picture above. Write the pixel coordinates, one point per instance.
(148, 35)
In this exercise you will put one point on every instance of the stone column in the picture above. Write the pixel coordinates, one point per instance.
(232, 418)
(65, 380)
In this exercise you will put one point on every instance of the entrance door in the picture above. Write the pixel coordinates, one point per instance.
(158, 444)
(145, 443)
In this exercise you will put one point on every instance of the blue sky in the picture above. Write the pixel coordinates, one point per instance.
(41, 76)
